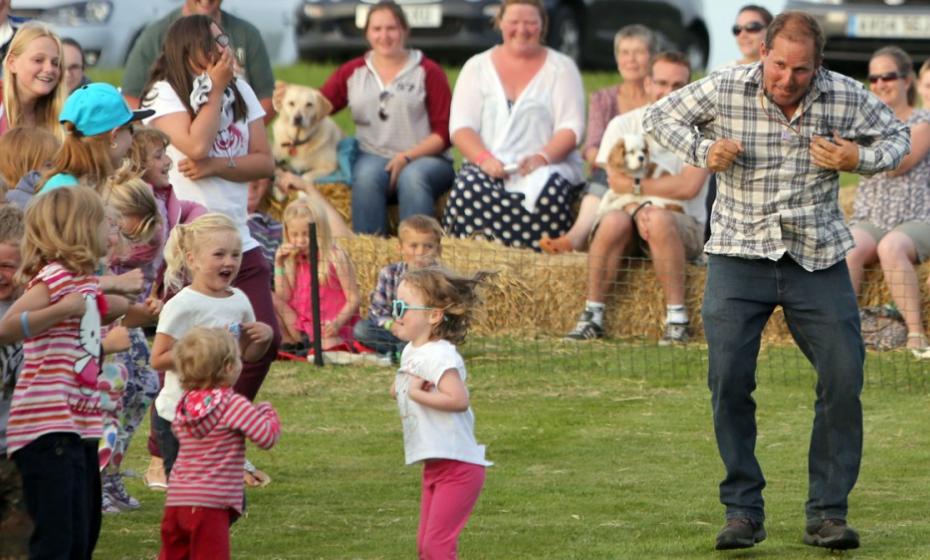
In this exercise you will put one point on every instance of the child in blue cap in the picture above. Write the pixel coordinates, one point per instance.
(98, 132)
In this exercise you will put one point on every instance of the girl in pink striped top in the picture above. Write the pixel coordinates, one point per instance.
(55, 417)
(211, 423)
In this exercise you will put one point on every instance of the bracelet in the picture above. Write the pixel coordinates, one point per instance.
(24, 322)
(278, 271)
(543, 155)
(407, 158)
(479, 159)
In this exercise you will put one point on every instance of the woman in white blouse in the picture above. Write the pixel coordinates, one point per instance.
(517, 117)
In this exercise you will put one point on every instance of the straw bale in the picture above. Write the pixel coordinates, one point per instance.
(535, 294)
(340, 196)
(846, 198)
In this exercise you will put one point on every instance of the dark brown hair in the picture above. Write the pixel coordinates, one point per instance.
(543, 15)
(760, 10)
(186, 38)
(389, 6)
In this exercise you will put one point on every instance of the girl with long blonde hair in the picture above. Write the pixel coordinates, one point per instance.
(33, 93)
(339, 294)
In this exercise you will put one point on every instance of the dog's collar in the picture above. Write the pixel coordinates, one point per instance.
(295, 143)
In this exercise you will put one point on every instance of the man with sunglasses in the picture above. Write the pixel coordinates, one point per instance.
(777, 133)
(248, 46)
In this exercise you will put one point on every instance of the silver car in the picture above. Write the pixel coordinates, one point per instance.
(107, 29)
(855, 29)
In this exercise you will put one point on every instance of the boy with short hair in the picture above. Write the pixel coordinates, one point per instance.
(420, 240)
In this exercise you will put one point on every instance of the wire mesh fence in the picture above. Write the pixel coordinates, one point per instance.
(534, 300)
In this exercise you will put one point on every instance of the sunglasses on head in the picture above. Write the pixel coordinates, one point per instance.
(886, 77)
(400, 307)
(751, 27)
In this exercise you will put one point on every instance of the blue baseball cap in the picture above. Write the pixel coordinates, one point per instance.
(97, 108)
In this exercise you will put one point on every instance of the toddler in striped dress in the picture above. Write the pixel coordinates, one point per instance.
(211, 423)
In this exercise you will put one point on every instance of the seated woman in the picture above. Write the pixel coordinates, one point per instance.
(517, 117)
(400, 104)
(634, 47)
(891, 214)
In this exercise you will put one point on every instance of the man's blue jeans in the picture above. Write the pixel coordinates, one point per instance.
(823, 317)
(419, 184)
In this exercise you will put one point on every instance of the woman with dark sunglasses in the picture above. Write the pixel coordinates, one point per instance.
(749, 31)
(891, 213)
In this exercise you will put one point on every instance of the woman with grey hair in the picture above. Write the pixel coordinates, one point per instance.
(634, 47)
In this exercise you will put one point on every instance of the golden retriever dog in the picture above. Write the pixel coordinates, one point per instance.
(305, 138)
(630, 156)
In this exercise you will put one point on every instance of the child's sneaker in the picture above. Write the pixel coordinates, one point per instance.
(675, 333)
(113, 485)
(108, 505)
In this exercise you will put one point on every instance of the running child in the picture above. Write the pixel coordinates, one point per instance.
(432, 312)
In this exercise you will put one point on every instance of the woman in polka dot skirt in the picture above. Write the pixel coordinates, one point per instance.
(517, 116)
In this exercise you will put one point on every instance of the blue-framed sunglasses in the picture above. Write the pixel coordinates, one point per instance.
(400, 307)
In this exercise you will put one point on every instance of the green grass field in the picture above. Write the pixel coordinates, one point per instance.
(602, 452)
(591, 463)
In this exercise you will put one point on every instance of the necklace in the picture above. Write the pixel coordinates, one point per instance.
(785, 134)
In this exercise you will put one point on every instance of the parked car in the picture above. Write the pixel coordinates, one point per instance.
(107, 29)
(582, 29)
(856, 29)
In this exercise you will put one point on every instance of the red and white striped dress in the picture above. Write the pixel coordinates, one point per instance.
(49, 396)
(211, 426)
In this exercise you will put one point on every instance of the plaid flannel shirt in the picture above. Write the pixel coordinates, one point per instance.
(773, 199)
(382, 297)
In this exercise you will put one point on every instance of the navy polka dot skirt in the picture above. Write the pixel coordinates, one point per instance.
(479, 207)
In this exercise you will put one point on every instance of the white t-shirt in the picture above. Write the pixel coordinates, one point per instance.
(631, 122)
(214, 193)
(430, 433)
(189, 309)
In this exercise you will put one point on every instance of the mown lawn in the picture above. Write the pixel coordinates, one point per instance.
(592, 462)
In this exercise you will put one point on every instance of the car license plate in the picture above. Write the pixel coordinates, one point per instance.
(888, 25)
(418, 16)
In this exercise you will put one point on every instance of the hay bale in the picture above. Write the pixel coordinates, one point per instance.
(340, 196)
(847, 196)
(534, 294)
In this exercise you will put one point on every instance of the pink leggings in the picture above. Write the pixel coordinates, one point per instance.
(450, 490)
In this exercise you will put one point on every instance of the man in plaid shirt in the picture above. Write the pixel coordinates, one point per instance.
(777, 133)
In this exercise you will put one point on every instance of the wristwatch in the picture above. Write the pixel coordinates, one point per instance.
(637, 186)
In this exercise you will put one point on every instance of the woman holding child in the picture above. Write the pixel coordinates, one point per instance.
(400, 104)
(891, 214)
(517, 117)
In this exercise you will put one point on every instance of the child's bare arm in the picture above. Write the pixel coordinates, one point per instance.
(117, 306)
(40, 316)
(450, 395)
(143, 314)
(161, 352)
(254, 340)
(345, 271)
